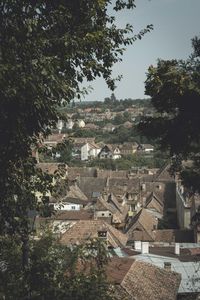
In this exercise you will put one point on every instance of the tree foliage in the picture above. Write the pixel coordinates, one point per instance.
(47, 49)
(54, 271)
(174, 87)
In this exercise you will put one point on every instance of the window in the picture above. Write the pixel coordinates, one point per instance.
(73, 207)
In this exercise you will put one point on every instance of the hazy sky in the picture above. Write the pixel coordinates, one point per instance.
(175, 23)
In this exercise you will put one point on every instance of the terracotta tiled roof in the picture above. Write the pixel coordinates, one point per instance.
(163, 174)
(146, 281)
(89, 185)
(74, 215)
(140, 235)
(112, 174)
(83, 230)
(117, 269)
(94, 146)
(75, 192)
(118, 212)
(143, 222)
(73, 172)
(186, 254)
(153, 202)
(141, 281)
(71, 194)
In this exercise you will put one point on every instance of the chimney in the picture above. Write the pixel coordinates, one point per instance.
(167, 266)
(143, 201)
(145, 247)
(177, 248)
(138, 245)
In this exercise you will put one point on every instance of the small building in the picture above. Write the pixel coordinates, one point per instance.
(128, 148)
(89, 151)
(81, 231)
(142, 225)
(146, 148)
(110, 151)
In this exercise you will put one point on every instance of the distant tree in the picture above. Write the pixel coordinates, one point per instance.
(118, 119)
(65, 151)
(174, 86)
(127, 116)
(113, 98)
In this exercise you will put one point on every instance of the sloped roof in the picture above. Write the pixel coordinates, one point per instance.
(139, 280)
(111, 147)
(88, 185)
(83, 230)
(75, 192)
(74, 215)
(128, 146)
(143, 220)
(91, 126)
(119, 213)
(84, 172)
(140, 235)
(112, 174)
(146, 281)
(71, 194)
(125, 183)
(155, 203)
(94, 146)
(163, 174)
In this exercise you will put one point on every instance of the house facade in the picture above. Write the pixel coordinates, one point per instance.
(89, 151)
(183, 208)
(110, 151)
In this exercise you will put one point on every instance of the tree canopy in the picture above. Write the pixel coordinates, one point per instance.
(174, 87)
(55, 271)
(47, 49)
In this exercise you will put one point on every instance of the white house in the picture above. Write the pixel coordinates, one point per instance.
(110, 151)
(147, 148)
(60, 125)
(183, 207)
(69, 124)
(89, 150)
(81, 123)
